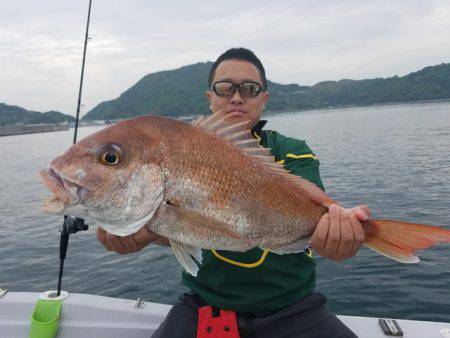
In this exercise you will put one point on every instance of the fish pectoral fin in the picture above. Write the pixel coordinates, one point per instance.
(187, 255)
(188, 218)
(292, 247)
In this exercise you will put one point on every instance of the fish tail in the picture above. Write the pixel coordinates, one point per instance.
(400, 240)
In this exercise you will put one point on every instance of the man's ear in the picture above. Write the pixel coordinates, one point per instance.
(208, 94)
(265, 96)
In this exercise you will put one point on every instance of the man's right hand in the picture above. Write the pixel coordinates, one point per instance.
(131, 243)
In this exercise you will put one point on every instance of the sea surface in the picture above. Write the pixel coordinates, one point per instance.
(394, 158)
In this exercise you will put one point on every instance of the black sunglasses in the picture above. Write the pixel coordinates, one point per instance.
(246, 89)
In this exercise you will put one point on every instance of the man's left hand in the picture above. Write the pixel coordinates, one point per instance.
(339, 233)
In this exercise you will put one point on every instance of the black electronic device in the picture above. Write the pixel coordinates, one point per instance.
(390, 327)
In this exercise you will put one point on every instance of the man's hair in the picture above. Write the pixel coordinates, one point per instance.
(242, 54)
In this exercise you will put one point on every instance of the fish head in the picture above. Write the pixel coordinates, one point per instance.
(112, 177)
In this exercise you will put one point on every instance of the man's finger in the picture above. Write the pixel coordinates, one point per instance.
(144, 236)
(319, 237)
(334, 233)
(346, 243)
(130, 244)
(101, 236)
(116, 244)
(358, 232)
(362, 212)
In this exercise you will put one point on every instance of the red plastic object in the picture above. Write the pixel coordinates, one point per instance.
(222, 326)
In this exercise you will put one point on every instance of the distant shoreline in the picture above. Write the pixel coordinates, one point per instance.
(268, 112)
(31, 129)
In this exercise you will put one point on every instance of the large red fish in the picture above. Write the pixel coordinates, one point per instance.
(208, 185)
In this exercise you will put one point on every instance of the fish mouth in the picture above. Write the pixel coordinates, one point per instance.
(65, 192)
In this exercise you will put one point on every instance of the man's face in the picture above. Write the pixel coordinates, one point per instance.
(244, 108)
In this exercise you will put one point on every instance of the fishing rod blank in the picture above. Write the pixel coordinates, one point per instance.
(71, 224)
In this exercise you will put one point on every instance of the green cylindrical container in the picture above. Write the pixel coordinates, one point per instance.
(46, 314)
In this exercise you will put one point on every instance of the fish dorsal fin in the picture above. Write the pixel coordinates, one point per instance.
(197, 121)
(235, 133)
(212, 122)
(232, 128)
(238, 135)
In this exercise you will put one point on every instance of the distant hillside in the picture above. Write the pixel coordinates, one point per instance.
(171, 93)
(182, 92)
(10, 115)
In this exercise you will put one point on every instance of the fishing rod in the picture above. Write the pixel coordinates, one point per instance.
(71, 224)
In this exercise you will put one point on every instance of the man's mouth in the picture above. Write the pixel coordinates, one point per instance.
(236, 112)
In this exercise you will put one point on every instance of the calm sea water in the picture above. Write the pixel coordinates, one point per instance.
(394, 158)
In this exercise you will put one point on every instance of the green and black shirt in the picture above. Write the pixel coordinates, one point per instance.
(258, 281)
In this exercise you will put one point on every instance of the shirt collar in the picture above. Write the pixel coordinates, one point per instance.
(257, 129)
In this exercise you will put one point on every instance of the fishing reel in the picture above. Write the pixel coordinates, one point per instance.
(72, 225)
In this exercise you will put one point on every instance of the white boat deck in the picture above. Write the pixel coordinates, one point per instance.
(104, 317)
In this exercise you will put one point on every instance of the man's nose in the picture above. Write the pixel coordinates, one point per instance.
(236, 98)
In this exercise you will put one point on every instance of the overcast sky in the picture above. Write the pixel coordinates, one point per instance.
(298, 41)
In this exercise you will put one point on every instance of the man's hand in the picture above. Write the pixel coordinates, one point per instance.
(339, 233)
(131, 243)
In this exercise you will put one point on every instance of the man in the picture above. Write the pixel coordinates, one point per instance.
(271, 294)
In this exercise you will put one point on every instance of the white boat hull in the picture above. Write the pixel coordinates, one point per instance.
(89, 316)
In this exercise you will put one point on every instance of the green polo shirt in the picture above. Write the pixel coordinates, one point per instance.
(257, 281)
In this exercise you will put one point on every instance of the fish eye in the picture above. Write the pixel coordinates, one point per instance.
(110, 155)
(110, 158)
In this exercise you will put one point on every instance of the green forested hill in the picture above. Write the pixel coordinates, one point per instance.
(430, 83)
(12, 114)
(181, 92)
(170, 93)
